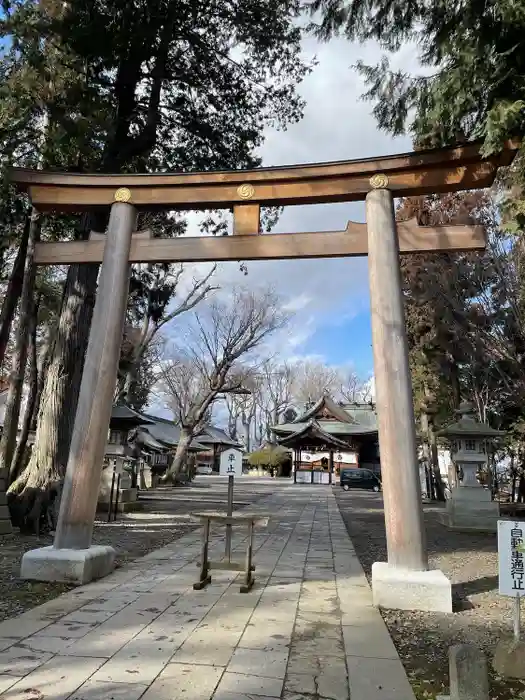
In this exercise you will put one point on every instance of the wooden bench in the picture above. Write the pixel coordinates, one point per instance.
(206, 565)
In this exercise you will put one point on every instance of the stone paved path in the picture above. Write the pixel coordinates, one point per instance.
(307, 631)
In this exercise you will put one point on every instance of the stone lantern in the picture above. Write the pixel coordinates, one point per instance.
(470, 506)
(118, 454)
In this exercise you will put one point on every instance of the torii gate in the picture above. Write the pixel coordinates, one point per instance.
(404, 582)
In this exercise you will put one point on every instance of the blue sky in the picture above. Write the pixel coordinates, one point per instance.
(343, 343)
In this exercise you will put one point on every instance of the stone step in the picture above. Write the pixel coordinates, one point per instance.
(3, 498)
(4, 512)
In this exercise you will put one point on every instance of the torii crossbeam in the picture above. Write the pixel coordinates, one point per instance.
(404, 582)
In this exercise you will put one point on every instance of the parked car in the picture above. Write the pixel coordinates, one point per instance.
(204, 469)
(359, 479)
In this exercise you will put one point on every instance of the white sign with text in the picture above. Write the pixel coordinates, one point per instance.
(511, 556)
(231, 463)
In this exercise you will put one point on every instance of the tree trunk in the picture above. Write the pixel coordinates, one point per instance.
(16, 380)
(37, 363)
(179, 459)
(439, 486)
(128, 386)
(35, 494)
(232, 425)
(455, 385)
(246, 429)
(261, 433)
(43, 366)
(426, 455)
(142, 479)
(513, 475)
(13, 291)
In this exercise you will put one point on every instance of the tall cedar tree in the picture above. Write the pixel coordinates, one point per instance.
(133, 87)
(465, 328)
(473, 53)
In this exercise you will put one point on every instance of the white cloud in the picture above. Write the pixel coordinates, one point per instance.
(297, 303)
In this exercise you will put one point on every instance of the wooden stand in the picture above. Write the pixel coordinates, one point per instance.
(228, 520)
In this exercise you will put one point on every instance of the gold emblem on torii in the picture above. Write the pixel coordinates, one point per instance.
(122, 195)
(246, 191)
(379, 181)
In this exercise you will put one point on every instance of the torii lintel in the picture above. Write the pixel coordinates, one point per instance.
(245, 191)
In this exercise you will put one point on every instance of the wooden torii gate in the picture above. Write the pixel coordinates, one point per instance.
(403, 582)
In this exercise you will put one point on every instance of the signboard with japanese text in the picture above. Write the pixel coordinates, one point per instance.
(231, 463)
(511, 555)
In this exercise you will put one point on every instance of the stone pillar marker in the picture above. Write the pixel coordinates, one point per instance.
(404, 582)
(72, 558)
(469, 676)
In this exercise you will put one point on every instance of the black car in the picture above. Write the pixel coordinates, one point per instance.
(359, 479)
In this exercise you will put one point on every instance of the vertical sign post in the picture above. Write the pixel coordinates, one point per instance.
(511, 552)
(230, 466)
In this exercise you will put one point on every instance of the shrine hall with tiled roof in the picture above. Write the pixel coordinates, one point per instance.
(332, 427)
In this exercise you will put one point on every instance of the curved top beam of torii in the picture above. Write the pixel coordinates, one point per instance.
(245, 191)
(420, 172)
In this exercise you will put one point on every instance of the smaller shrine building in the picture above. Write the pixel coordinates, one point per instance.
(328, 436)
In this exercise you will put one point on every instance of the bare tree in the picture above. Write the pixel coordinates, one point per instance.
(274, 394)
(353, 389)
(233, 409)
(217, 358)
(312, 379)
(153, 308)
(278, 383)
(242, 409)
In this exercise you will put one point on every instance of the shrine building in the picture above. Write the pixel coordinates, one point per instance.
(329, 436)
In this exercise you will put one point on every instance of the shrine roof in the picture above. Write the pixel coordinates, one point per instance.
(328, 408)
(212, 435)
(331, 427)
(165, 433)
(122, 415)
(470, 428)
(312, 431)
(146, 440)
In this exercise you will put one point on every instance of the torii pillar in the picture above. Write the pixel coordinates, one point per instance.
(405, 581)
(72, 557)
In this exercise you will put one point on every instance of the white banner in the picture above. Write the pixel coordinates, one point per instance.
(339, 457)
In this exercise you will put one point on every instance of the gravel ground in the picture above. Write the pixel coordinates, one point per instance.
(165, 518)
(481, 616)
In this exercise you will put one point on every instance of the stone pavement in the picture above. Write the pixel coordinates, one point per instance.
(307, 630)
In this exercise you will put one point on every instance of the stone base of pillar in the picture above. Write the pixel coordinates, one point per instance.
(470, 510)
(75, 566)
(403, 589)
